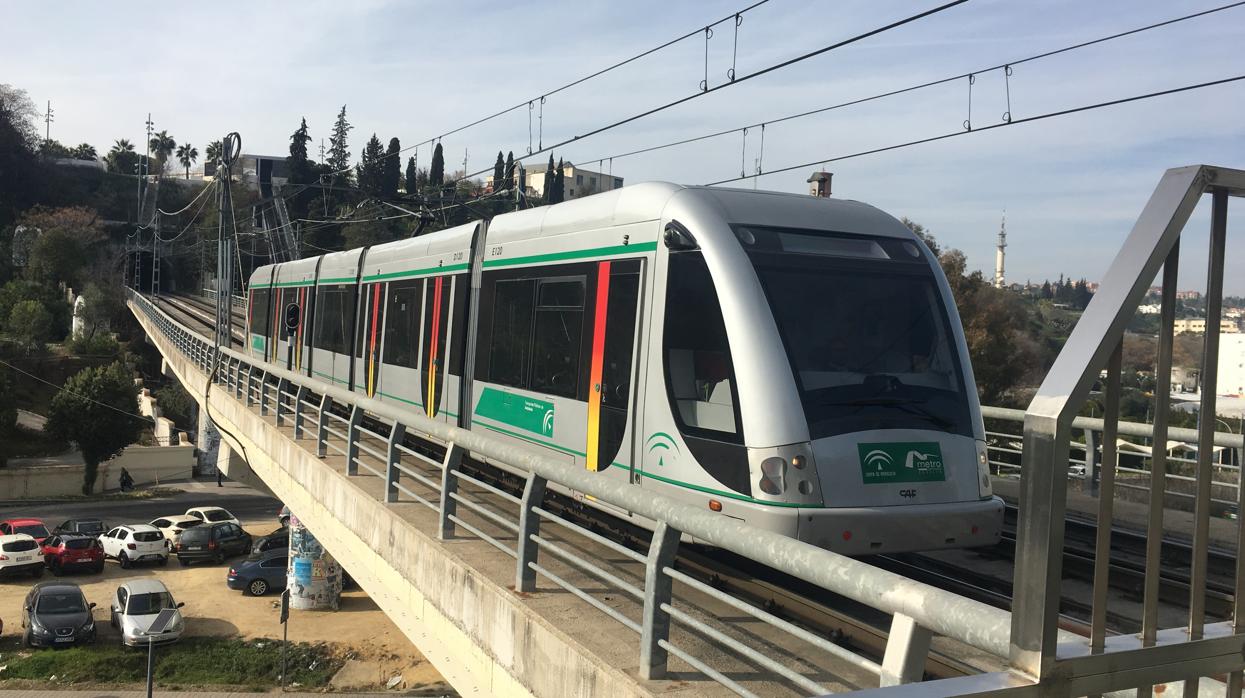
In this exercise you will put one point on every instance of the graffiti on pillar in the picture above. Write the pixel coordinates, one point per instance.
(314, 577)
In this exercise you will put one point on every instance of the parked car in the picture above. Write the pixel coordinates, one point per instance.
(90, 527)
(135, 543)
(31, 527)
(172, 526)
(19, 554)
(136, 604)
(259, 574)
(213, 515)
(56, 614)
(212, 542)
(277, 540)
(72, 550)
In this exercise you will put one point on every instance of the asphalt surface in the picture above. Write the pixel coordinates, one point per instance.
(243, 502)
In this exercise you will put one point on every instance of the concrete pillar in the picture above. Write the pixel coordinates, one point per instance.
(314, 578)
(208, 442)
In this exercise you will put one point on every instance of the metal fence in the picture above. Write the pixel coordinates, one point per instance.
(1157, 654)
(1134, 455)
(371, 436)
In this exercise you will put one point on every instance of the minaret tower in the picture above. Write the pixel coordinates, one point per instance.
(999, 280)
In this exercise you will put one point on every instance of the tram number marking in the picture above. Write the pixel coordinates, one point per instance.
(495, 251)
(907, 493)
(458, 256)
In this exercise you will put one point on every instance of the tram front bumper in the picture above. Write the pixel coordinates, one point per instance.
(903, 528)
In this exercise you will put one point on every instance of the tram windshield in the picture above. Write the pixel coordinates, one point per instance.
(865, 329)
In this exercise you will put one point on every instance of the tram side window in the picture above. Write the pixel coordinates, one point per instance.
(334, 320)
(512, 332)
(556, 342)
(259, 311)
(699, 373)
(402, 323)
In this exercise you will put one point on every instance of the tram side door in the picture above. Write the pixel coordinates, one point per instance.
(611, 414)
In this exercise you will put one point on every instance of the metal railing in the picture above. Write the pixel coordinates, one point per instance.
(1156, 654)
(1133, 454)
(372, 438)
(238, 302)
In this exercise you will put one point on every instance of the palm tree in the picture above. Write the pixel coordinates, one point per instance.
(162, 145)
(212, 155)
(121, 158)
(84, 151)
(187, 154)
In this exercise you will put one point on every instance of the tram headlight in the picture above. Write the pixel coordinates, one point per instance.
(774, 475)
(984, 486)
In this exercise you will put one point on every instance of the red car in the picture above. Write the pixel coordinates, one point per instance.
(71, 550)
(31, 527)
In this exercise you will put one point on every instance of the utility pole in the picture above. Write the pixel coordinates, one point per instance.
(321, 151)
(146, 161)
(231, 146)
(465, 153)
(47, 120)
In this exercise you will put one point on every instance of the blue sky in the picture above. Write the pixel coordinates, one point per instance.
(1071, 187)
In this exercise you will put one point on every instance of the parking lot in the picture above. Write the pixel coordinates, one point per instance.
(358, 630)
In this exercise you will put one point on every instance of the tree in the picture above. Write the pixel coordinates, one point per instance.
(30, 324)
(510, 170)
(499, 172)
(391, 169)
(121, 158)
(370, 165)
(339, 152)
(212, 152)
(436, 174)
(84, 151)
(559, 184)
(187, 154)
(301, 171)
(20, 173)
(551, 178)
(67, 239)
(412, 176)
(1047, 293)
(52, 148)
(162, 146)
(101, 304)
(95, 410)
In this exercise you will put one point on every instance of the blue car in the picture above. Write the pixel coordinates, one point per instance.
(259, 574)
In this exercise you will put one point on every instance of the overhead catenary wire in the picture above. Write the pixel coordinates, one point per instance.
(193, 218)
(578, 81)
(919, 86)
(1004, 124)
(711, 90)
(192, 202)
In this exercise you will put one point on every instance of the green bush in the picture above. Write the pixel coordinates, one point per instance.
(99, 345)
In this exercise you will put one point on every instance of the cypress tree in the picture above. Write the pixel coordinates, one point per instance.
(391, 169)
(559, 183)
(339, 152)
(411, 174)
(370, 175)
(436, 176)
(499, 173)
(550, 182)
(510, 170)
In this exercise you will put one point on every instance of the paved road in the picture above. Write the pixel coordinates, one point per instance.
(250, 506)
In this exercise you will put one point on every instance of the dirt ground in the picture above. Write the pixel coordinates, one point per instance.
(359, 630)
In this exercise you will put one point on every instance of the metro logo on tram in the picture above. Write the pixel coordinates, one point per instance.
(919, 461)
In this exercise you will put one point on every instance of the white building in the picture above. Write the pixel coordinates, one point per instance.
(577, 182)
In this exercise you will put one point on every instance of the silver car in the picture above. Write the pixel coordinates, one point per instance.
(137, 604)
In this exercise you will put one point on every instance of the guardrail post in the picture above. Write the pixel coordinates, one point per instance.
(907, 646)
(352, 441)
(658, 591)
(449, 485)
(529, 525)
(299, 415)
(322, 431)
(392, 456)
(250, 379)
(1092, 475)
(263, 394)
(279, 420)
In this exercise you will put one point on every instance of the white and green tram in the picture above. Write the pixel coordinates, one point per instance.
(793, 362)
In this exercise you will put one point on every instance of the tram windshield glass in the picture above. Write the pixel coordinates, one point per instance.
(865, 329)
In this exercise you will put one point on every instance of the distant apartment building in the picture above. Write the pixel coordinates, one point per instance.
(1198, 326)
(259, 171)
(577, 182)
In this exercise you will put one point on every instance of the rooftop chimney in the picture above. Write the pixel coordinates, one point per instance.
(819, 184)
